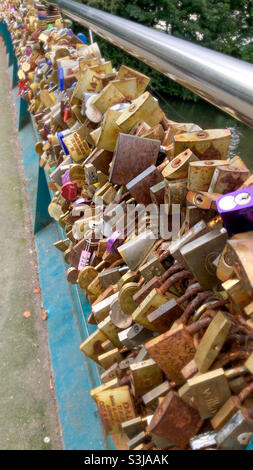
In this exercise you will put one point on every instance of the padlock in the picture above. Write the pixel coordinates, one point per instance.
(115, 406)
(134, 426)
(199, 229)
(173, 273)
(88, 81)
(90, 172)
(179, 430)
(145, 107)
(144, 375)
(109, 131)
(132, 156)
(101, 160)
(200, 174)
(206, 440)
(179, 166)
(101, 309)
(199, 254)
(203, 200)
(134, 336)
(232, 405)
(240, 252)
(127, 87)
(227, 178)
(157, 193)
(92, 346)
(109, 276)
(236, 210)
(164, 316)
(212, 341)
(109, 96)
(157, 297)
(237, 432)
(225, 266)
(109, 358)
(118, 316)
(175, 193)
(142, 80)
(151, 268)
(210, 391)
(139, 187)
(150, 399)
(111, 373)
(173, 349)
(205, 144)
(77, 147)
(110, 331)
(135, 251)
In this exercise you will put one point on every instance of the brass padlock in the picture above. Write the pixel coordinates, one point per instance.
(210, 391)
(150, 399)
(109, 358)
(109, 96)
(175, 193)
(179, 166)
(201, 172)
(101, 160)
(127, 87)
(92, 346)
(106, 137)
(209, 144)
(212, 341)
(144, 375)
(134, 426)
(232, 405)
(115, 406)
(145, 107)
(227, 178)
(142, 80)
(200, 253)
(203, 200)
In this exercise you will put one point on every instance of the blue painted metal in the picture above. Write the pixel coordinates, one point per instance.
(68, 309)
(24, 116)
(15, 73)
(73, 373)
(42, 217)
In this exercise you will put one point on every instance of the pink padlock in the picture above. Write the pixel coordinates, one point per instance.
(69, 191)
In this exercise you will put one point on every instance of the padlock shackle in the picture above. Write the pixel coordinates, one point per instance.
(194, 304)
(173, 279)
(227, 358)
(198, 325)
(172, 270)
(246, 392)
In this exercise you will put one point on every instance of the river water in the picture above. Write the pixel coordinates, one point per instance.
(210, 117)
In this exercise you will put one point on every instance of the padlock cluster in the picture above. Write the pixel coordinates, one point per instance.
(172, 308)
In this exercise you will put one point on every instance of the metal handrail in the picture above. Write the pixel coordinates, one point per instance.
(222, 80)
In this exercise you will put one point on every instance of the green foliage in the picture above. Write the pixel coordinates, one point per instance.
(222, 25)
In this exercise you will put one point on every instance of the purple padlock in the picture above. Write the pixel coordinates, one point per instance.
(80, 201)
(65, 178)
(84, 259)
(236, 210)
(114, 242)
